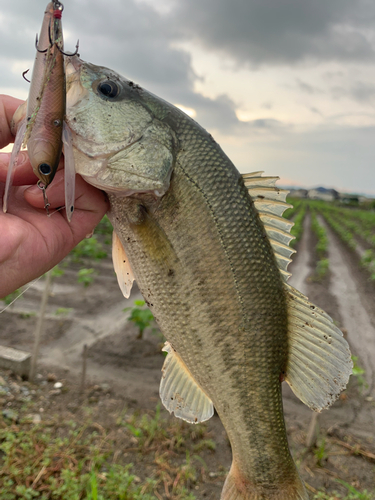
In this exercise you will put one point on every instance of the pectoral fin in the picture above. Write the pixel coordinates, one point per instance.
(319, 364)
(124, 273)
(180, 393)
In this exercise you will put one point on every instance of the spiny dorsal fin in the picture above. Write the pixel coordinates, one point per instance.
(124, 273)
(270, 203)
(180, 393)
(319, 361)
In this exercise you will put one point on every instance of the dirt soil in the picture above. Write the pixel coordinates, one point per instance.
(344, 443)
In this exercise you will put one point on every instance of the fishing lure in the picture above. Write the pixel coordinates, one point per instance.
(44, 131)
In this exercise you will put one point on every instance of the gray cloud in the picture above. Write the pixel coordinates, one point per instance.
(362, 92)
(137, 41)
(307, 88)
(267, 105)
(129, 37)
(287, 31)
(318, 157)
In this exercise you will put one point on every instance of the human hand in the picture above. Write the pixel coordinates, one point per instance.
(31, 243)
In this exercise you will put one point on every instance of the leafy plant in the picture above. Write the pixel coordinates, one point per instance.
(86, 276)
(105, 228)
(88, 248)
(357, 372)
(322, 267)
(141, 316)
(12, 297)
(353, 494)
(320, 452)
(297, 229)
(57, 272)
(63, 311)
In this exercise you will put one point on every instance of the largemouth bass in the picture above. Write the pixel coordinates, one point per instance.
(209, 250)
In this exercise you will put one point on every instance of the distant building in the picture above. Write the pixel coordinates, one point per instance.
(324, 194)
(298, 193)
(350, 199)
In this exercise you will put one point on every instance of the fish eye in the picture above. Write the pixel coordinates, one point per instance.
(109, 89)
(45, 169)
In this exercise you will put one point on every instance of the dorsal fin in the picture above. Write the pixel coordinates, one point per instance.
(270, 203)
(319, 362)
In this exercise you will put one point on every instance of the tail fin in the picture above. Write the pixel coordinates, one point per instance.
(237, 487)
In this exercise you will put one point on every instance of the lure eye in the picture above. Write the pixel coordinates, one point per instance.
(45, 169)
(109, 89)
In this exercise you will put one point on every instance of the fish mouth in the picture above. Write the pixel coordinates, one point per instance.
(73, 64)
(74, 89)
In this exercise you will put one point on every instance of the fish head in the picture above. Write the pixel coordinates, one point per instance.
(121, 144)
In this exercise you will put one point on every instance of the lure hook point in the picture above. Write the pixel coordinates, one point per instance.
(70, 55)
(23, 75)
(36, 45)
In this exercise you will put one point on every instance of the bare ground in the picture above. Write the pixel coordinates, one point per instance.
(344, 447)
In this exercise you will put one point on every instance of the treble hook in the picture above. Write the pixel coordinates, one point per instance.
(23, 75)
(52, 42)
(70, 55)
(47, 204)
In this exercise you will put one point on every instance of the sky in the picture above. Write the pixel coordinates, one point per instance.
(284, 86)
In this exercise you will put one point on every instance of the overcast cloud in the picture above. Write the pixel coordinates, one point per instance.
(283, 84)
(280, 31)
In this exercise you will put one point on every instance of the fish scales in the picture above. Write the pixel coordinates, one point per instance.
(209, 259)
(210, 310)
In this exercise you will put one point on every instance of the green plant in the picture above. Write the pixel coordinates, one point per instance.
(322, 267)
(86, 276)
(297, 229)
(320, 452)
(352, 494)
(12, 297)
(141, 316)
(57, 272)
(88, 248)
(63, 311)
(357, 372)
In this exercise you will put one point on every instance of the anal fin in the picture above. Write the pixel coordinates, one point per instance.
(124, 273)
(180, 393)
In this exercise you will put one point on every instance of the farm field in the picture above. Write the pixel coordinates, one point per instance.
(112, 440)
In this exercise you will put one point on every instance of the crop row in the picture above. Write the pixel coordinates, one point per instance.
(356, 222)
(349, 230)
(297, 213)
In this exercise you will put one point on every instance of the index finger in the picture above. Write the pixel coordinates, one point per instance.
(8, 106)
